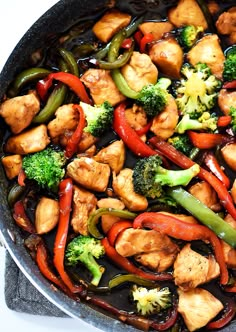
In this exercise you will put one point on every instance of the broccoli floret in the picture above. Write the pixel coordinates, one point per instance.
(99, 118)
(197, 91)
(154, 97)
(229, 71)
(232, 112)
(204, 122)
(149, 301)
(149, 176)
(85, 249)
(45, 167)
(181, 143)
(189, 35)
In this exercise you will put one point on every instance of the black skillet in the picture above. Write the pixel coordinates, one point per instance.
(59, 18)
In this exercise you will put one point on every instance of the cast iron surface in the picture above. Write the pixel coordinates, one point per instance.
(59, 18)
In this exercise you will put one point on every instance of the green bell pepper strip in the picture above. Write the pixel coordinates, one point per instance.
(122, 85)
(94, 218)
(113, 51)
(25, 77)
(69, 59)
(124, 278)
(207, 217)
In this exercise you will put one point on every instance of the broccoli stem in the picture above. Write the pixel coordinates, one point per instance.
(176, 177)
(94, 268)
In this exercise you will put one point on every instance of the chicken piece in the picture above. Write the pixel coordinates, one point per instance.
(87, 141)
(187, 12)
(226, 23)
(233, 191)
(30, 141)
(228, 251)
(113, 155)
(64, 124)
(108, 220)
(229, 154)
(12, 165)
(140, 71)
(84, 203)
(46, 215)
(226, 99)
(232, 38)
(18, 112)
(123, 187)
(198, 307)
(89, 173)
(208, 50)
(168, 56)
(157, 29)
(213, 7)
(136, 117)
(192, 269)
(102, 87)
(206, 194)
(110, 23)
(165, 122)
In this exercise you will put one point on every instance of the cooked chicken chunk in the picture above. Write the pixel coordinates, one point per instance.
(229, 252)
(168, 56)
(30, 141)
(89, 173)
(18, 112)
(136, 117)
(86, 142)
(157, 29)
(149, 248)
(109, 24)
(187, 12)
(192, 269)
(229, 154)
(208, 50)
(226, 99)
(12, 165)
(46, 215)
(64, 124)
(198, 307)
(113, 155)
(140, 71)
(84, 203)
(226, 24)
(206, 194)
(233, 191)
(124, 189)
(165, 122)
(108, 220)
(101, 86)
(213, 7)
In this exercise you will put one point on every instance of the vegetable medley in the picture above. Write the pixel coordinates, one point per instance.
(121, 156)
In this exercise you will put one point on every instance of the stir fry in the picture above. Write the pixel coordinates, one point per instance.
(121, 156)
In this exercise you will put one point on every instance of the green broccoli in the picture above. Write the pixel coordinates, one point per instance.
(149, 176)
(204, 122)
(232, 113)
(197, 91)
(181, 143)
(149, 301)
(85, 249)
(229, 71)
(154, 97)
(189, 35)
(99, 118)
(45, 167)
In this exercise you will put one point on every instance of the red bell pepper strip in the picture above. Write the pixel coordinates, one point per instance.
(21, 178)
(147, 38)
(127, 43)
(72, 144)
(116, 229)
(42, 87)
(74, 84)
(21, 218)
(128, 134)
(179, 229)
(125, 264)
(170, 321)
(228, 315)
(205, 140)
(213, 165)
(230, 85)
(42, 262)
(224, 121)
(65, 201)
(145, 129)
(138, 36)
(184, 162)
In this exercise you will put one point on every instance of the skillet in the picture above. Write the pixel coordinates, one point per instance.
(56, 20)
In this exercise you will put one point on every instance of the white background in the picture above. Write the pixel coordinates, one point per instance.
(16, 18)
